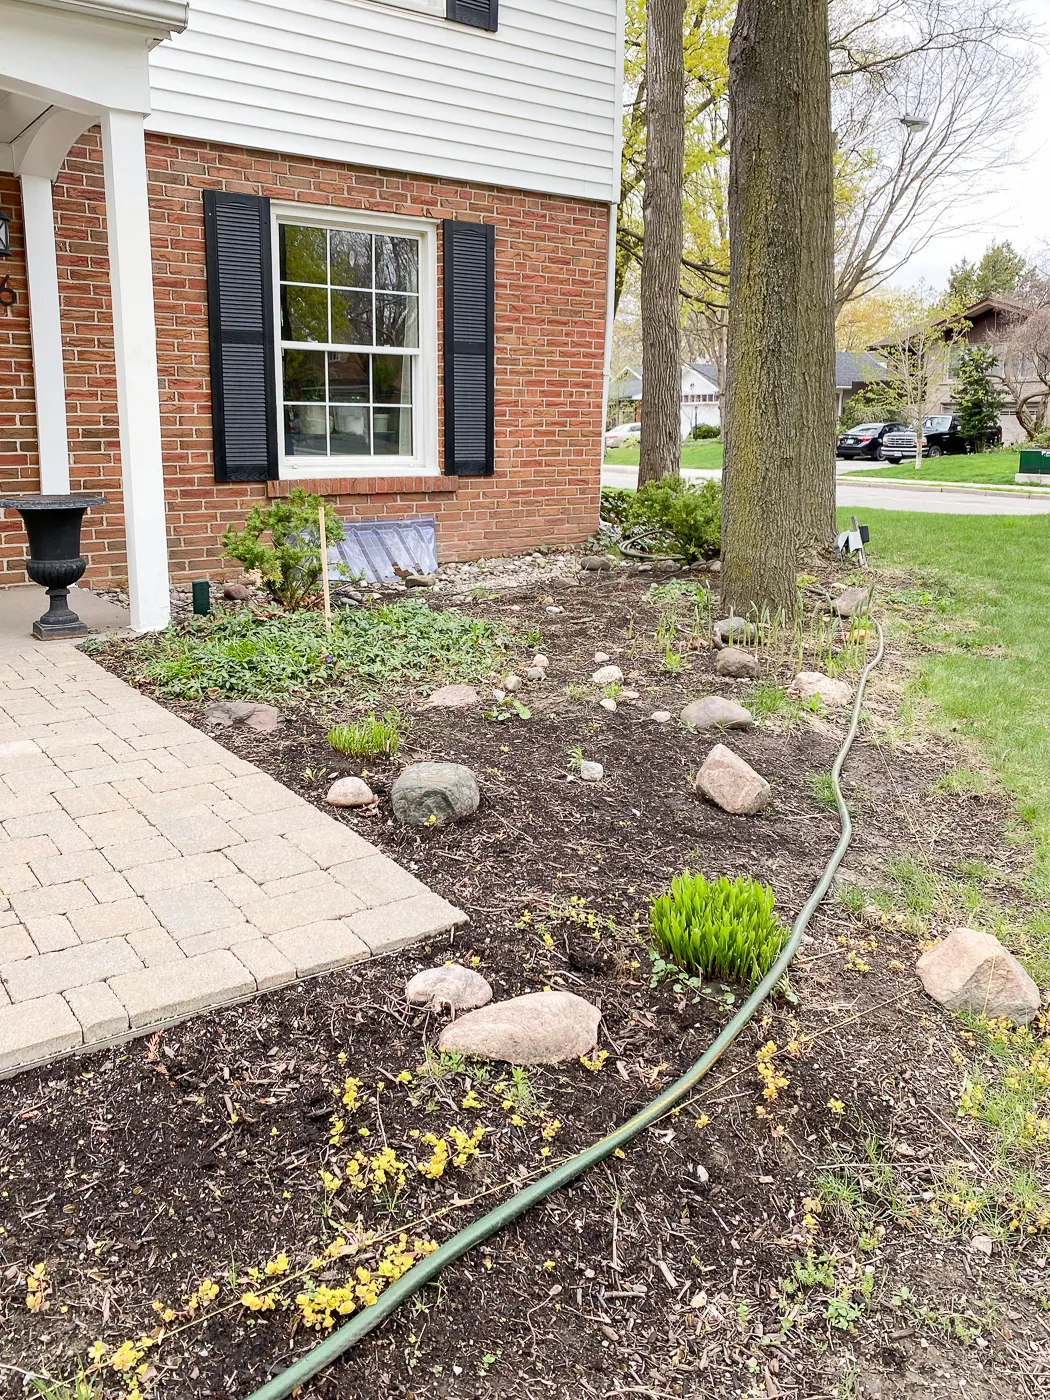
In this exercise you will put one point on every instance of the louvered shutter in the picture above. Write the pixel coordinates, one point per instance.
(482, 14)
(240, 331)
(469, 347)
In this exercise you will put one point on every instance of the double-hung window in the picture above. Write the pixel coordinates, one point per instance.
(356, 311)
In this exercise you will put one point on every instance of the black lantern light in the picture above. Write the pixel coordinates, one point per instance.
(5, 235)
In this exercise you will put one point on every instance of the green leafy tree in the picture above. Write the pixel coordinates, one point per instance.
(289, 560)
(997, 274)
(881, 401)
(978, 394)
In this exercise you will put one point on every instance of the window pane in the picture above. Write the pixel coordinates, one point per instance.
(351, 258)
(397, 263)
(304, 376)
(304, 313)
(392, 430)
(391, 379)
(396, 320)
(351, 318)
(350, 430)
(348, 378)
(303, 254)
(304, 430)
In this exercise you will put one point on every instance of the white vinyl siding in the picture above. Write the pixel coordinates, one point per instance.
(534, 106)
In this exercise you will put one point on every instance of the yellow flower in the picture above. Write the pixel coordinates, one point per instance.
(837, 1107)
(594, 1061)
(330, 1182)
(98, 1351)
(257, 1302)
(470, 1100)
(278, 1265)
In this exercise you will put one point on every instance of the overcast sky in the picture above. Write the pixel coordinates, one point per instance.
(1017, 203)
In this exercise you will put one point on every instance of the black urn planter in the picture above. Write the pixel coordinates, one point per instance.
(55, 562)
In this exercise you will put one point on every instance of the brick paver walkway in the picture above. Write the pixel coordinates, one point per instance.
(146, 873)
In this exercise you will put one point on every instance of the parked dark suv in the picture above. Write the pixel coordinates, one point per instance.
(865, 440)
(940, 438)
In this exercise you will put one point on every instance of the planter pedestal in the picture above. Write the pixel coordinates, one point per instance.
(55, 562)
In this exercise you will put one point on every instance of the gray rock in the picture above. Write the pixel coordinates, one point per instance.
(535, 673)
(435, 794)
(715, 566)
(715, 712)
(972, 971)
(541, 1028)
(591, 772)
(511, 682)
(607, 703)
(452, 697)
(350, 792)
(455, 986)
(660, 716)
(601, 657)
(850, 601)
(264, 719)
(982, 1244)
(702, 1175)
(541, 661)
(235, 592)
(735, 629)
(607, 675)
(833, 693)
(731, 661)
(595, 562)
(420, 580)
(730, 783)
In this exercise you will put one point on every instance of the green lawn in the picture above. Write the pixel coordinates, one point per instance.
(984, 629)
(706, 454)
(985, 469)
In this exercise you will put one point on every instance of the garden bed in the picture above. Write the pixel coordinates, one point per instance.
(823, 1249)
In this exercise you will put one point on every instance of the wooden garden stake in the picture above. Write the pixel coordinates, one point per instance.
(324, 570)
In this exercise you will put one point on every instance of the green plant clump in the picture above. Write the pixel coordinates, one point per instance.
(678, 518)
(721, 928)
(290, 564)
(244, 655)
(368, 737)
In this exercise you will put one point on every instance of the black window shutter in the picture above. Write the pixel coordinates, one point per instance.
(482, 14)
(240, 332)
(469, 347)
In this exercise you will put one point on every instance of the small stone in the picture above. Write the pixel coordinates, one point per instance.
(435, 794)
(350, 792)
(715, 566)
(735, 629)
(511, 683)
(264, 719)
(608, 704)
(851, 601)
(628, 695)
(552, 610)
(702, 1175)
(541, 661)
(235, 592)
(452, 697)
(455, 986)
(607, 675)
(982, 1244)
(541, 1028)
(591, 772)
(731, 661)
(420, 580)
(601, 657)
(715, 712)
(596, 562)
(972, 971)
(730, 783)
(535, 673)
(833, 693)
(660, 716)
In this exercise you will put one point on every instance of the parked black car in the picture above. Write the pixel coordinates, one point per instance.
(865, 440)
(940, 438)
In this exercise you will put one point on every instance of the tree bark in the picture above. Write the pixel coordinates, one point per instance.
(816, 514)
(773, 51)
(661, 442)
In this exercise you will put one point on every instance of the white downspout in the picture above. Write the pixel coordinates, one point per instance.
(610, 316)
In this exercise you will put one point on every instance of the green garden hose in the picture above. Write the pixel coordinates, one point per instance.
(331, 1348)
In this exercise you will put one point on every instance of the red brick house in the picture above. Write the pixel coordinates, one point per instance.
(358, 245)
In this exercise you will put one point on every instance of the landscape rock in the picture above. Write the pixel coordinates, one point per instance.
(834, 693)
(972, 971)
(607, 675)
(511, 682)
(601, 657)
(453, 697)
(535, 673)
(235, 592)
(850, 601)
(735, 629)
(435, 794)
(982, 1244)
(730, 783)
(350, 792)
(715, 566)
(715, 712)
(736, 663)
(541, 661)
(608, 704)
(660, 716)
(264, 719)
(420, 580)
(540, 1028)
(628, 695)
(455, 986)
(594, 562)
(591, 772)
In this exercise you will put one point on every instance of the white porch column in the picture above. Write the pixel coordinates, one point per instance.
(135, 340)
(45, 324)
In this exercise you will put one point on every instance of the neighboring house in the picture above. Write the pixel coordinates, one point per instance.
(362, 247)
(699, 400)
(853, 370)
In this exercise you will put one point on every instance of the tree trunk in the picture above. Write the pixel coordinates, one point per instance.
(661, 443)
(816, 510)
(775, 47)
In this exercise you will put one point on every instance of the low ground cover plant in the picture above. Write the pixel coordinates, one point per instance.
(261, 656)
(718, 928)
(282, 541)
(368, 737)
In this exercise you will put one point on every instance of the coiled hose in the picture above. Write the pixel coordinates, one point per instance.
(331, 1348)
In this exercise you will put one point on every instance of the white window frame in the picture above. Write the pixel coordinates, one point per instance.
(424, 458)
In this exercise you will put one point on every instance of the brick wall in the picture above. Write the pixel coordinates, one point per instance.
(550, 324)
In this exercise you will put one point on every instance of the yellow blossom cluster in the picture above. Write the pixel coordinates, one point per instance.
(771, 1078)
(351, 1096)
(37, 1288)
(258, 1302)
(321, 1303)
(435, 1164)
(595, 1060)
(384, 1170)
